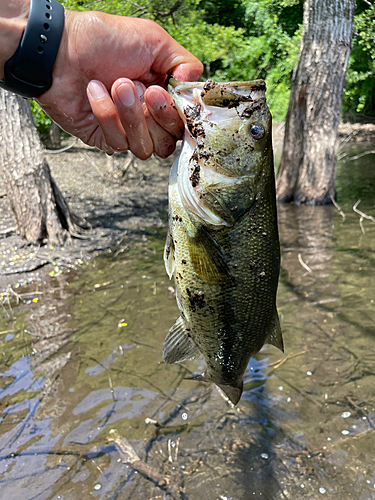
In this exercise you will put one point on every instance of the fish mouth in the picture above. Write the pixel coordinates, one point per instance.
(259, 85)
(226, 94)
(215, 101)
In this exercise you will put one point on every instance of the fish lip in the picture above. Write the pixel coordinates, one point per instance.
(247, 85)
(213, 93)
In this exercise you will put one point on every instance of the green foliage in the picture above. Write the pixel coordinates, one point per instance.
(359, 93)
(248, 39)
(254, 46)
(224, 12)
(42, 121)
(235, 39)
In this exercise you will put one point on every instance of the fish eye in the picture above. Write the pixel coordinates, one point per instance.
(256, 131)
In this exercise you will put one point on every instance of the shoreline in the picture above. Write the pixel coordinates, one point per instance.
(122, 197)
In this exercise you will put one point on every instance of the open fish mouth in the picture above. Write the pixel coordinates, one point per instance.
(252, 89)
(214, 101)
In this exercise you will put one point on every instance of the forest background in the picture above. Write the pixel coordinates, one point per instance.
(250, 39)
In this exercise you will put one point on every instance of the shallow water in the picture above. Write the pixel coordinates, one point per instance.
(81, 358)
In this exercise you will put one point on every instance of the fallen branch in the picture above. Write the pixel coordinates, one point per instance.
(128, 163)
(8, 230)
(345, 140)
(92, 163)
(354, 405)
(338, 207)
(129, 456)
(277, 364)
(303, 264)
(363, 216)
(56, 151)
(360, 435)
(370, 152)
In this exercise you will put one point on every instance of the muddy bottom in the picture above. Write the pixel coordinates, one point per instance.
(88, 409)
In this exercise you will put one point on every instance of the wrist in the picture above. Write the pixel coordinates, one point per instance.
(13, 20)
(15, 8)
(11, 30)
(28, 72)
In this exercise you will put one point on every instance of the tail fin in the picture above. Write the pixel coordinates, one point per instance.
(230, 392)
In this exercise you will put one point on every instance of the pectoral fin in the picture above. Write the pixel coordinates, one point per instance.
(169, 255)
(275, 337)
(178, 345)
(207, 258)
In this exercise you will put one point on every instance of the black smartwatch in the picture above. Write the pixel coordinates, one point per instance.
(29, 71)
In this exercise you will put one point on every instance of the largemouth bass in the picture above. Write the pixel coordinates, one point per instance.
(223, 245)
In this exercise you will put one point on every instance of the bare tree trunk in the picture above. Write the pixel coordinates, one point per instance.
(40, 210)
(55, 135)
(308, 165)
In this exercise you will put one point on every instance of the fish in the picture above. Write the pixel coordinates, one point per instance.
(222, 246)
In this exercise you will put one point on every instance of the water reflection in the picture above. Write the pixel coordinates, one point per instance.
(86, 358)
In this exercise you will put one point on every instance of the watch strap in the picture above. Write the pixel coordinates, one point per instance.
(29, 71)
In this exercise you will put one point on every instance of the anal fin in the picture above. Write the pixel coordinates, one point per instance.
(178, 345)
(275, 337)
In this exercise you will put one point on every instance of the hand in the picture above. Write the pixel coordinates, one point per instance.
(124, 58)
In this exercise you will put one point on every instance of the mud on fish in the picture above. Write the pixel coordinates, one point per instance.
(223, 246)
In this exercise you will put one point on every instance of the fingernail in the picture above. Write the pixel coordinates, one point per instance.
(126, 95)
(96, 89)
(157, 100)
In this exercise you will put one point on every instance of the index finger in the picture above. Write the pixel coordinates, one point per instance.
(163, 110)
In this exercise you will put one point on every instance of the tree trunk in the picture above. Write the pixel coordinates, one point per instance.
(308, 165)
(40, 210)
(55, 136)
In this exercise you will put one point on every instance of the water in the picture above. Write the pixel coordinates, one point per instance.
(81, 366)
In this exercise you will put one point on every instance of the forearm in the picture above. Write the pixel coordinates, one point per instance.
(13, 20)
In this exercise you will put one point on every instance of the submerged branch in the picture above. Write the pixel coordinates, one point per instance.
(338, 207)
(129, 456)
(276, 364)
(369, 152)
(363, 216)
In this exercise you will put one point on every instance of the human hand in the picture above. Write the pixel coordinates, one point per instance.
(120, 57)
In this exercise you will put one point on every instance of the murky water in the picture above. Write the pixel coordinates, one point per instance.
(81, 366)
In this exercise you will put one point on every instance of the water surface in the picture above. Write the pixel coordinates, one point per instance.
(80, 363)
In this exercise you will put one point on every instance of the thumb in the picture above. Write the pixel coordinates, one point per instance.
(188, 72)
(171, 57)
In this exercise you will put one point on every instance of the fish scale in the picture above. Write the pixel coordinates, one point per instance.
(223, 245)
